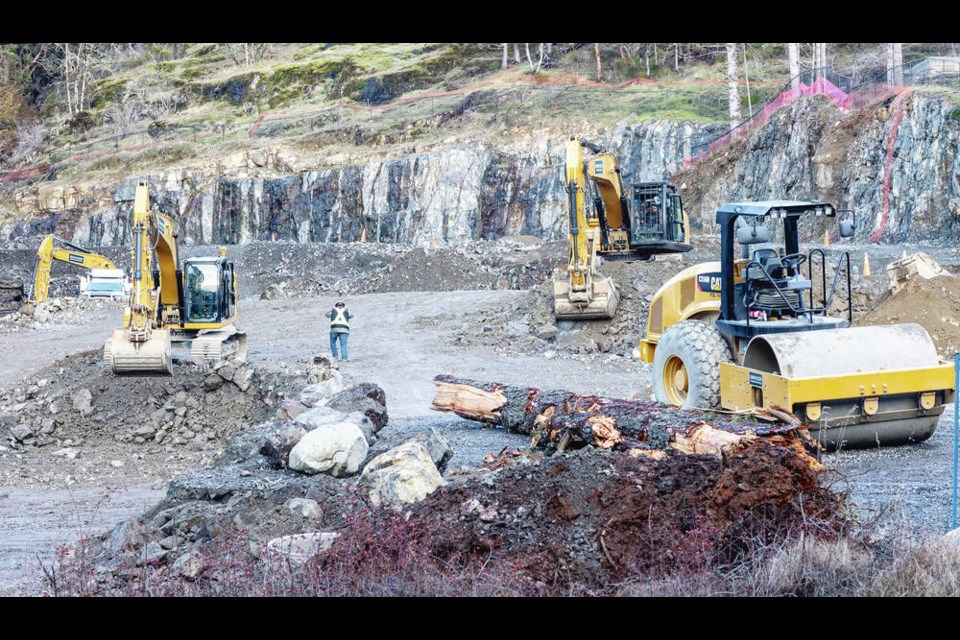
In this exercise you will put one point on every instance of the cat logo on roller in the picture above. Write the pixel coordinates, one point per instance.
(710, 282)
(767, 342)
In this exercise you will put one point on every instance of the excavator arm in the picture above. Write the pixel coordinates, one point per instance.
(144, 346)
(47, 253)
(583, 295)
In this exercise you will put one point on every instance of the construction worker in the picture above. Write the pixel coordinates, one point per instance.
(339, 329)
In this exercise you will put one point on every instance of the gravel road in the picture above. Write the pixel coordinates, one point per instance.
(400, 341)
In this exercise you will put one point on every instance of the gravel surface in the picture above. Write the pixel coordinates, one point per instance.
(400, 340)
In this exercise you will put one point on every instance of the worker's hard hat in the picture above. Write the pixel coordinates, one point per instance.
(340, 303)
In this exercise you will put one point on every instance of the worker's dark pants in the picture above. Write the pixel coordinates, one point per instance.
(343, 345)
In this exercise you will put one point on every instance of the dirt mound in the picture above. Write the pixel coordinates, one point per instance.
(504, 264)
(61, 313)
(75, 418)
(528, 325)
(934, 304)
(591, 517)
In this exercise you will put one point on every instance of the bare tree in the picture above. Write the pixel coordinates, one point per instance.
(733, 88)
(248, 52)
(895, 63)
(503, 63)
(123, 116)
(516, 52)
(746, 77)
(793, 56)
(29, 142)
(596, 50)
(819, 59)
(76, 64)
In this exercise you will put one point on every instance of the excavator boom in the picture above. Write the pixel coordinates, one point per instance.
(47, 253)
(583, 295)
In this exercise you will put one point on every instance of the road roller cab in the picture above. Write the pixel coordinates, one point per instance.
(754, 332)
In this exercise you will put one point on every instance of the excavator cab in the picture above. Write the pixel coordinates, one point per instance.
(208, 291)
(659, 224)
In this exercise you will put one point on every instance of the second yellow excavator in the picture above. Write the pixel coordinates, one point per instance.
(69, 253)
(173, 305)
(613, 227)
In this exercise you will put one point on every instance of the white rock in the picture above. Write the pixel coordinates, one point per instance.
(336, 449)
(320, 416)
(305, 507)
(83, 402)
(67, 452)
(301, 547)
(190, 565)
(311, 394)
(403, 475)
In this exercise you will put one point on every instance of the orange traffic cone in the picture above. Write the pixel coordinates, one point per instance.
(826, 238)
(866, 264)
(363, 235)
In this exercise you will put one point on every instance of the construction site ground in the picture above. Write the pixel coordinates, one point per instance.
(403, 334)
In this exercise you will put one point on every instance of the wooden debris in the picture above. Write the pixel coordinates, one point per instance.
(557, 420)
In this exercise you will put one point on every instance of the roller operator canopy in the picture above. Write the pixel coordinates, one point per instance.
(775, 209)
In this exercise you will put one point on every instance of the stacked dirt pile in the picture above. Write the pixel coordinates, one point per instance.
(934, 304)
(512, 263)
(528, 326)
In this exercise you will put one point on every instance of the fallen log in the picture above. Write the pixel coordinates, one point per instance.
(557, 420)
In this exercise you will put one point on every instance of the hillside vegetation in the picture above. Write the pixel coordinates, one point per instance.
(92, 111)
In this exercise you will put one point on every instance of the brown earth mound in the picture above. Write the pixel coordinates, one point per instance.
(592, 518)
(934, 304)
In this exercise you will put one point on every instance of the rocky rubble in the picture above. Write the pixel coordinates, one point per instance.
(280, 485)
(59, 313)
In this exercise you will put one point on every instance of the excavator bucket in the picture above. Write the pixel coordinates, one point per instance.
(856, 387)
(601, 304)
(152, 357)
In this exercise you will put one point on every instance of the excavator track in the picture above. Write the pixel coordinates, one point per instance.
(211, 346)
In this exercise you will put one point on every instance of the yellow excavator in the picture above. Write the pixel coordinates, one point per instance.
(612, 228)
(191, 306)
(748, 334)
(69, 253)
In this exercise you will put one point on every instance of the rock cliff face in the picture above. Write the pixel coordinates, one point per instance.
(460, 192)
(476, 190)
(809, 150)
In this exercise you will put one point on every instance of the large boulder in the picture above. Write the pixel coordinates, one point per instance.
(437, 446)
(329, 386)
(83, 402)
(321, 416)
(367, 398)
(403, 475)
(301, 547)
(336, 449)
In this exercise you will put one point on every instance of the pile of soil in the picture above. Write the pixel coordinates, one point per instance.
(934, 304)
(592, 517)
(528, 326)
(74, 418)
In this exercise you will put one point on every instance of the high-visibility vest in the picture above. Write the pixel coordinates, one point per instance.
(339, 319)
